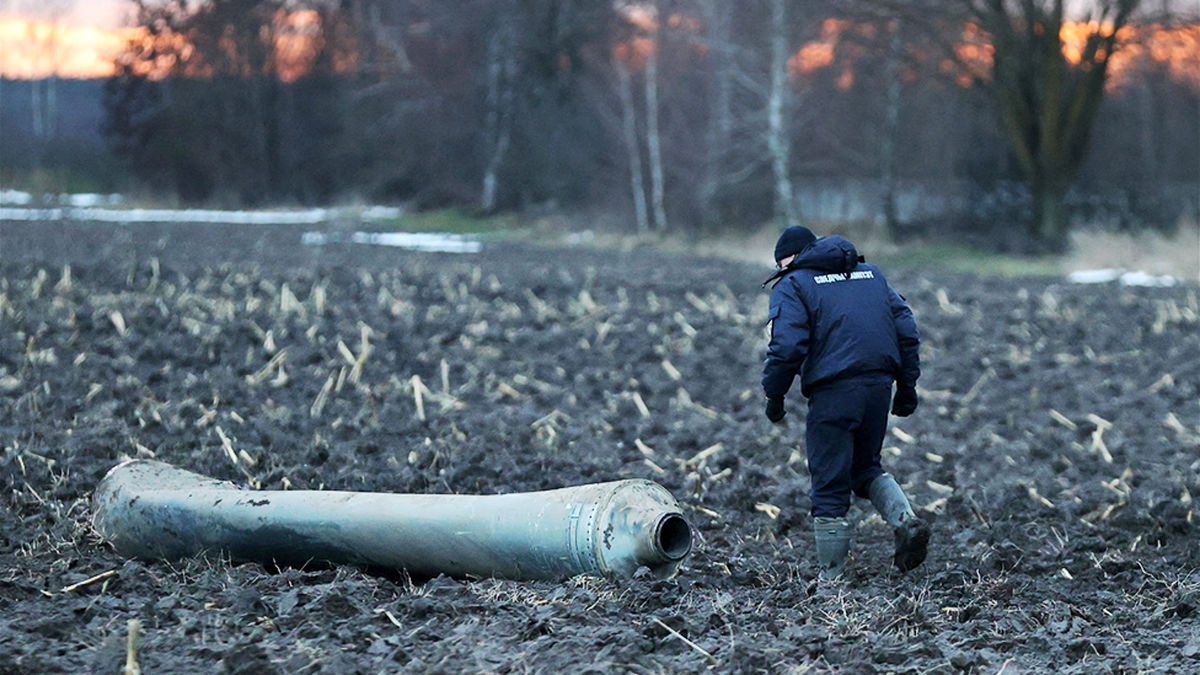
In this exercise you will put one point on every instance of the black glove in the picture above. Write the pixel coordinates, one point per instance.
(904, 403)
(775, 411)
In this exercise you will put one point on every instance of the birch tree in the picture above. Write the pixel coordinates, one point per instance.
(501, 75)
(653, 137)
(891, 125)
(632, 147)
(778, 144)
(44, 30)
(717, 19)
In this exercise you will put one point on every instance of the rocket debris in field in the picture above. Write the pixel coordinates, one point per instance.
(149, 509)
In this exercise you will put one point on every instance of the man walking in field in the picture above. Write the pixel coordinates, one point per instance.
(836, 323)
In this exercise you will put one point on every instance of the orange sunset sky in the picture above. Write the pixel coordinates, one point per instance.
(73, 38)
(79, 38)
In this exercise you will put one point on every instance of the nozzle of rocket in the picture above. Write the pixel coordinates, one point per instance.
(149, 509)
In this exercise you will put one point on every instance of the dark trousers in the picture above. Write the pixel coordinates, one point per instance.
(847, 421)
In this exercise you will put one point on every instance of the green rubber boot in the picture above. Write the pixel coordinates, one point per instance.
(912, 533)
(833, 538)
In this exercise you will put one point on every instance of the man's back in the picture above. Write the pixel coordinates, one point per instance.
(833, 317)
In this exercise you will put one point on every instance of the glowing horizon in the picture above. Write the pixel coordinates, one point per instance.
(35, 48)
(1177, 48)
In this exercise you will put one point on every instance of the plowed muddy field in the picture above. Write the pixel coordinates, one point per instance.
(1056, 450)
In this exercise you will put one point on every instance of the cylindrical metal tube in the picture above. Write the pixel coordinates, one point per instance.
(149, 509)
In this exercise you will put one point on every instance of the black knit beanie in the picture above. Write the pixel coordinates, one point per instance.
(793, 240)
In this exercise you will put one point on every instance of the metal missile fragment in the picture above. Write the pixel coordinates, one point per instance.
(152, 510)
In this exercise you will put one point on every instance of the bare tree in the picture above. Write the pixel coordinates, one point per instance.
(205, 101)
(653, 137)
(778, 143)
(891, 124)
(632, 149)
(44, 30)
(717, 19)
(501, 75)
(1046, 102)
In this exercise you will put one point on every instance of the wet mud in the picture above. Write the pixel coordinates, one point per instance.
(1056, 451)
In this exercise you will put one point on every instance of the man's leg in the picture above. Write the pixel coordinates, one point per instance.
(912, 533)
(832, 419)
(871, 482)
(868, 436)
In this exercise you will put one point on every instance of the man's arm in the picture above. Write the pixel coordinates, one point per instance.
(909, 338)
(789, 340)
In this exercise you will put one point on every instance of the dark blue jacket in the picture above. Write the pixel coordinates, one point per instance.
(834, 317)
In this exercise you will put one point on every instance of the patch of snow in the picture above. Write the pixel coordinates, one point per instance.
(435, 242)
(305, 217)
(15, 197)
(81, 211)
(584, 237)
(1135, 278)
(90, 199)
(381, 213)
(1144, 279)
(19, 198)
(316, 239)
(1093, 276)
(13, 213)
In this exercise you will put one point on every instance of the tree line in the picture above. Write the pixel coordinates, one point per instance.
(665, 114)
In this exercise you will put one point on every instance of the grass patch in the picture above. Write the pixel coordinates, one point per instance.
(454, 221)
(957, 258)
